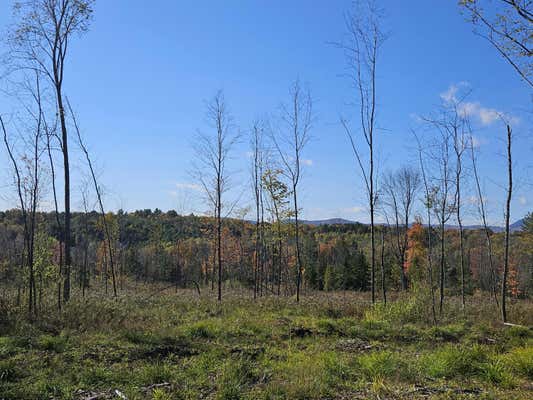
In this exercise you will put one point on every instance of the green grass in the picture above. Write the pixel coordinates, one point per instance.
(179, 346)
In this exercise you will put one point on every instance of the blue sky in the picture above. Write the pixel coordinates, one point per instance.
(139, 79)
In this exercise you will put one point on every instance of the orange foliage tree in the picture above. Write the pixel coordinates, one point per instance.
(416, 252)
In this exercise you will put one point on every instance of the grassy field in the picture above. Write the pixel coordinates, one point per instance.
(331, 346)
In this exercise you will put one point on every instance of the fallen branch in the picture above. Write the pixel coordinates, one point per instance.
(155, 386)
(516, 325)
(120, 394)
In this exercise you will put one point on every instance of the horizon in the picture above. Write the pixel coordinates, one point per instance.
(311, 222)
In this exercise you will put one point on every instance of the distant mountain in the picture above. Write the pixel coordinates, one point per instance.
(516, 226)
(331, 221)
(493, 228)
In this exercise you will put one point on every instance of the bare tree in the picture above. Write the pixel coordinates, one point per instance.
(212, 153)
(452, 126)
(85, 264)
(50, 136)
(27, 174)
(296, 120)
(459, 131)
(483, 216)
(41, 42)
(442, 197)
(428, 205)
(98, 191)
(399, 190)
(383, 275)
(258, 157)
(507, 219)
(362, 46)
(506, 24)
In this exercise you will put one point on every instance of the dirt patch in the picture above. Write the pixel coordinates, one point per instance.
(300, 331)
(163, 351)
(355, 346)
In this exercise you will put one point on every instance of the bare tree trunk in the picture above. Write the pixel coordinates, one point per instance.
(86, 241)
(56, 212)
(459, 148)
(507, 228)
(256, 175)
(486, 229)
(428, 201)
(462, 254)
(66, 175)
(383, 283)
(28, 190)
(365, 40)
(280, 256)
(297, 119)
(262, 247)
(42, 38)
(219, 248)
(373, 249)
(297, 238)
(212, 153)
(25, 259)
(442, 264)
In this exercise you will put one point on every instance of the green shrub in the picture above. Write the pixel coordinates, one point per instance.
(520, 361)
(96, 376)
(138, 337)
(336, 371)
(153, 373)
(446, 333)
(52, 343)
(329, 327)
(383, 364)
(496, 372)
(235, 377)
(521, 332)
(202, 330)
(8, 371)
(453, 361)
(160, 394)
(406, 310)
(305, 375)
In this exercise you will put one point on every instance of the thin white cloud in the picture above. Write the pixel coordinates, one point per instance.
(522, 200)
(350, 213)
(451, 93)
(353, 210)
(188, 186)
(478, 141)
(307, 162)
(485, 115)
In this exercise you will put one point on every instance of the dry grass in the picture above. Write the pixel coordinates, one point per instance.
(331, 345)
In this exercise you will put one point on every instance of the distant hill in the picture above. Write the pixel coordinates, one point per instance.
(331, 221)
(516, 226)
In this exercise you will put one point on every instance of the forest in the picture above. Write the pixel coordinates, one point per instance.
(427, 298)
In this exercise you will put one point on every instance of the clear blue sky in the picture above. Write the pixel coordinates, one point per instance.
(138, 81)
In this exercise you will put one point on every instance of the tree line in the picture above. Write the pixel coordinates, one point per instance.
(274, 253)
